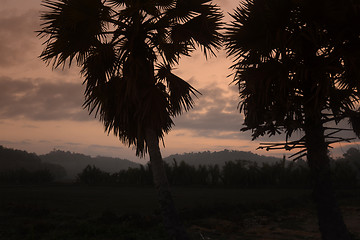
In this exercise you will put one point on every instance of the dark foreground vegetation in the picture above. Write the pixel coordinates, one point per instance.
(23, 176)
(244, 174)
(238, 200)
(76, 212)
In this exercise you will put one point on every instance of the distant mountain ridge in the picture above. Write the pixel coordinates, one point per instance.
(212, 158)
(74, 163)
(13, 159)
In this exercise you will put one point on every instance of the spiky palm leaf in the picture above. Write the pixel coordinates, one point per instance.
(71, 28)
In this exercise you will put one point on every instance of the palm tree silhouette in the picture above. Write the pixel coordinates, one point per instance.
(126, 50)
(295, 63)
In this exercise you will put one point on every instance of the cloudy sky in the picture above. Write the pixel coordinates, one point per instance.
(41, 108)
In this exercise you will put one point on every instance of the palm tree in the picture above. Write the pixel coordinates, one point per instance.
(296, 66)
(126, 50)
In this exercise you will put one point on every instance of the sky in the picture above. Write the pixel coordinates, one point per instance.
(41, 108)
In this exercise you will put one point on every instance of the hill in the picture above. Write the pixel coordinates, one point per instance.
(12, 159)
(212, 158)
(74, 163)
(58, 161)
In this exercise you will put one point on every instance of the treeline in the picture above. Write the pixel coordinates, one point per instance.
(244, 174)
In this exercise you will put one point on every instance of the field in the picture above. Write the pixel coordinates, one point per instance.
(67, 211)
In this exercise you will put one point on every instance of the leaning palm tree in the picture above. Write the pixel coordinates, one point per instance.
(126, 50)
(296, 66)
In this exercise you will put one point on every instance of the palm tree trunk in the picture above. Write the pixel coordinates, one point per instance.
(170, 216)
(331, 223)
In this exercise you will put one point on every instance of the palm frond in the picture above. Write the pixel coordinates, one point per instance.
(354, 120)
(165, 4)
(71, 28)
(173, 51)
(116, 3)
(99, 66)
(201, 26)
(179, 90)
(127, 118)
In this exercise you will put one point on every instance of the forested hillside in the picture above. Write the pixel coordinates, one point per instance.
(74, 163)
(17, 162)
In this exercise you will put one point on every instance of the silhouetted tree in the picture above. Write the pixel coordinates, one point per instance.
(92, 175)
(296, 66)
(344, 173)
(235, 173)
(214, 174)
(352, 155)
(126, 49)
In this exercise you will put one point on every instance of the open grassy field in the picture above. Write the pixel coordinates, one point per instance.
(101, 212)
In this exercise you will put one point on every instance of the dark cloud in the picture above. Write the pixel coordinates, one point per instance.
(106, 147)
(39, 100)
(6, 143)
(29, 126)
(23, 142)
(72, 143)
(18, 41)
(221, 134)
(215, 115)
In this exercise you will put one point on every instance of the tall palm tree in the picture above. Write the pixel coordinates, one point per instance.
(296, 66)
(126, 50)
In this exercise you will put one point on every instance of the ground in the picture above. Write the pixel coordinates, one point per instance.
(130, 213)
(299, 223)
(279, 220)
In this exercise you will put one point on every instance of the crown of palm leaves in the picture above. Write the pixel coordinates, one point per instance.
(126, 50)
(282, 49)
